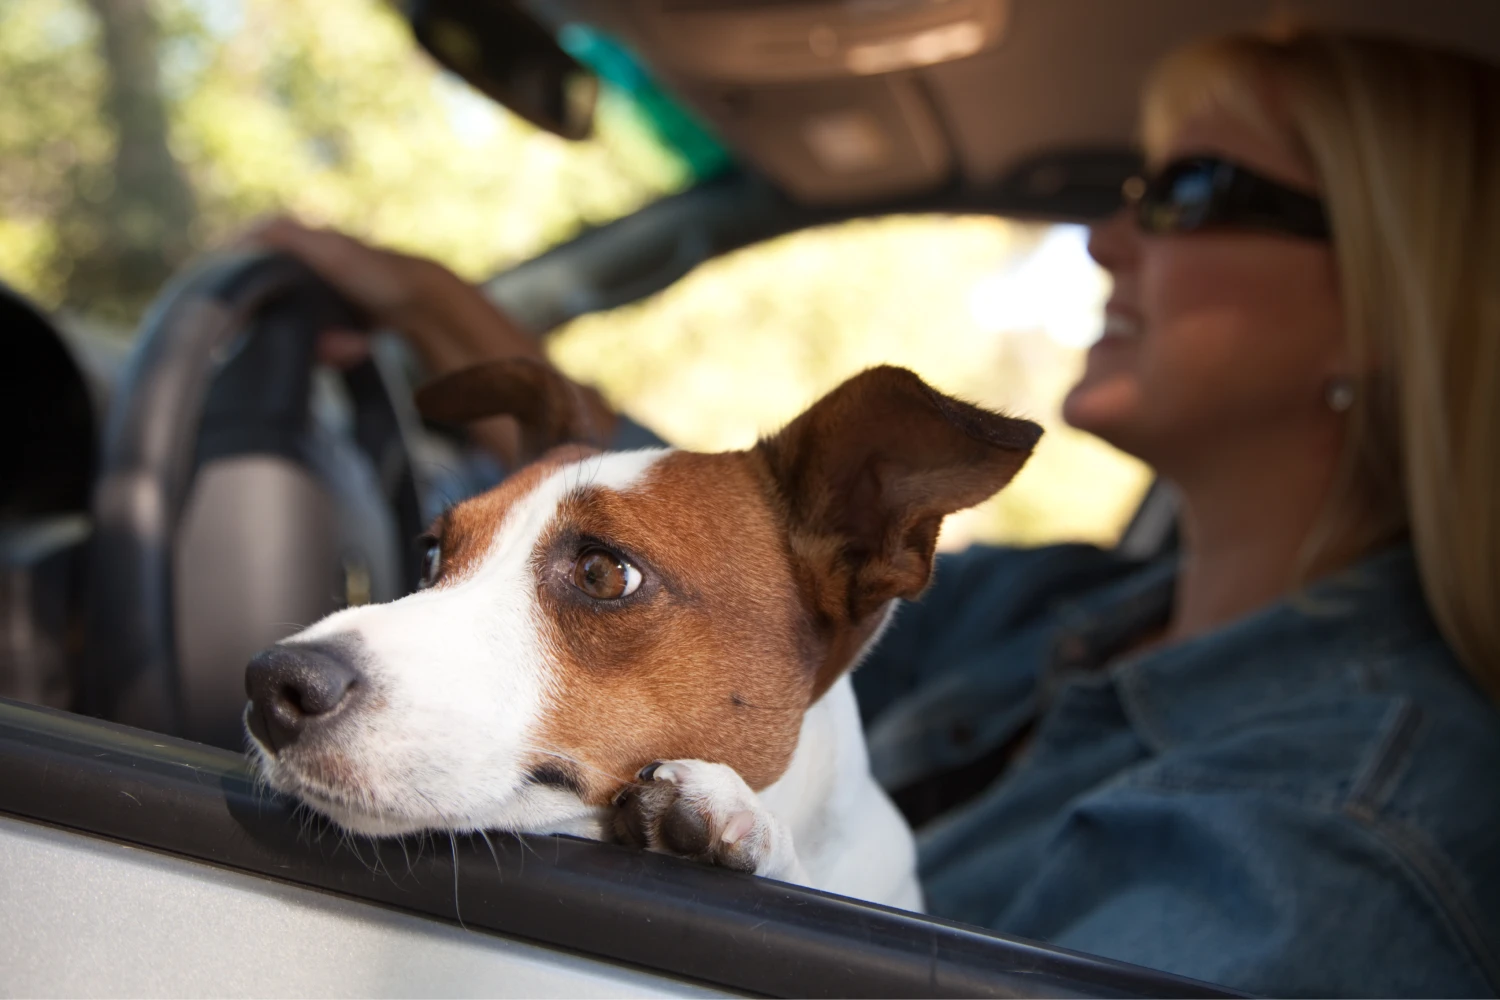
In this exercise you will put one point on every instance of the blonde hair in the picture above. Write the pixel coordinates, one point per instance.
(1406, 143)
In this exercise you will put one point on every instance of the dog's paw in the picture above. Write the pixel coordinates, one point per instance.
(705, 812)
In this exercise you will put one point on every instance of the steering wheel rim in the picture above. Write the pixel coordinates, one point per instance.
(150, 453)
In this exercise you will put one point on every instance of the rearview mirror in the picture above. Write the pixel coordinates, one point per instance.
(507, 55)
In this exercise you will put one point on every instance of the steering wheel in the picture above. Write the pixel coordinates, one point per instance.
(241, 495)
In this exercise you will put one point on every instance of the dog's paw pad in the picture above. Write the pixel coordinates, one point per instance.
(695, 810)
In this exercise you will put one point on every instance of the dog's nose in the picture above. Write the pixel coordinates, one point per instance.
(292, 689)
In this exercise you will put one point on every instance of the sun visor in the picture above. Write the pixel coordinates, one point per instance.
(818, 40)
(838, 141)
(826, 97)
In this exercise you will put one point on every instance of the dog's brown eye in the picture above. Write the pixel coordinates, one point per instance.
(605, 576)
(432, 560)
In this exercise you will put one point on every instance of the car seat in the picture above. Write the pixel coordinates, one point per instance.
(47, 445)
(241, 496)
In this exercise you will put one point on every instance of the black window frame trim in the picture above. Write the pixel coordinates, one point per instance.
(609, 902)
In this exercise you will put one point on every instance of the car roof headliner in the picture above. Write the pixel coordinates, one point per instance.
(1063, 78)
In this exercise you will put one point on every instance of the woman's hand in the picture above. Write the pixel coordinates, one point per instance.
(448, 321)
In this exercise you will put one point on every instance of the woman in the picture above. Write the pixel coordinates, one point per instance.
(1269, 761)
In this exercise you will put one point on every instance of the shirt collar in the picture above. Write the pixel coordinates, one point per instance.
(1313, 642)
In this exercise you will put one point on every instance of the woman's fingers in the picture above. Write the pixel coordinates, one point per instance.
(342, 348)
(381, 282)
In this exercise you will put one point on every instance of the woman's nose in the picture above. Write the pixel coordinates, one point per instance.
(1114, 243)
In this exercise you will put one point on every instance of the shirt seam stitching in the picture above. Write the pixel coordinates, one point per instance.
(1428, 872)
(1375, 778)
(1130, 685)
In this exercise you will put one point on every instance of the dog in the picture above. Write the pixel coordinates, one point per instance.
(650, 647)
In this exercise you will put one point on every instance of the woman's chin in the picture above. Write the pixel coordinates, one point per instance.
(1104, 407)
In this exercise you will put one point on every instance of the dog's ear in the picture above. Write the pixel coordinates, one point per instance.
(549, 409)
(867, 475)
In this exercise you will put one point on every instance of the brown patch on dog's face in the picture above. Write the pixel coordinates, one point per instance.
(464, 532)
(709, 658)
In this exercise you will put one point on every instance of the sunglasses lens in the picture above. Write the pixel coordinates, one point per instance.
(1199, 192)
(1179, 199)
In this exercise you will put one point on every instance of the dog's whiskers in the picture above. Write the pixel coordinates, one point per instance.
(453, 841)
(491, 846)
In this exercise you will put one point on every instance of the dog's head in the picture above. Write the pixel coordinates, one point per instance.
(596, 612)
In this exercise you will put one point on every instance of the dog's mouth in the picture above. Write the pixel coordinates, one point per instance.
(545, 799)
(327, 784)
(350, 806)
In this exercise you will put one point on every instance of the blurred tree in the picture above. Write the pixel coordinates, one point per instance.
(51, 136)
(147, 129)
(330, 111)
(130, 224)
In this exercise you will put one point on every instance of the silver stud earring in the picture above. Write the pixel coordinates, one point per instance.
(1338, 393)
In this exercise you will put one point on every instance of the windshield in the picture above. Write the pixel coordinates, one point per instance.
(147, 132)
(141, 133)
(993, 310)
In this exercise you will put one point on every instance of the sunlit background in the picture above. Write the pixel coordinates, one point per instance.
(134, 133)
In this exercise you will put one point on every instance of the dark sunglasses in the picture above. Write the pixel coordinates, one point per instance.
(1204, 192)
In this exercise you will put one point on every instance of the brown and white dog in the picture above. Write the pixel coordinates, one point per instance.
(647, 646)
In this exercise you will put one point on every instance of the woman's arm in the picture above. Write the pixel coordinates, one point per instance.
(447, 320)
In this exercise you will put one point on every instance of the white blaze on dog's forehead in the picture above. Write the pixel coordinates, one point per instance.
(613, 470)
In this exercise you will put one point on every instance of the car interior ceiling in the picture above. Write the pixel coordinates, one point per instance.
(863, 102)
(833, 109)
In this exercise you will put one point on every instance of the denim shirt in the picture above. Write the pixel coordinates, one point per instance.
(1304, 802)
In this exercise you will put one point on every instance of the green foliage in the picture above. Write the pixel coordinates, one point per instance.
(52, 140)
(328, 111)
